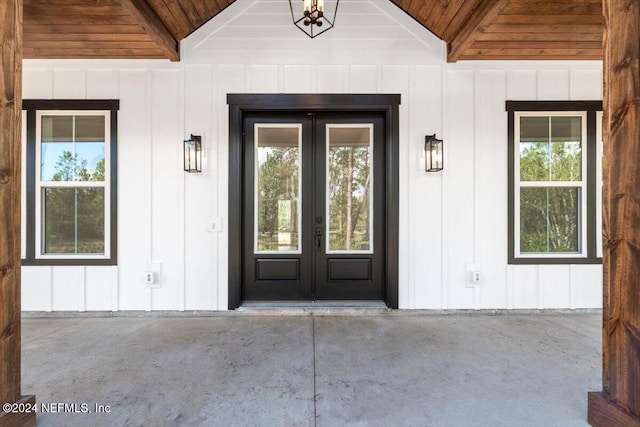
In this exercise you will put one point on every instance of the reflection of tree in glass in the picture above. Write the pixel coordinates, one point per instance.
(549, 216)
(278, 181)
(349, 198)
(74, 216)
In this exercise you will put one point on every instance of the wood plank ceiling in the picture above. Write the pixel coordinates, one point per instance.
(473, 29)
(513, 29)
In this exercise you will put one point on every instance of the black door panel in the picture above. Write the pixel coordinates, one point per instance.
(313, 207)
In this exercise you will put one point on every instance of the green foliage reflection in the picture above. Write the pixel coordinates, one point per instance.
(349, 178)
(74, 216)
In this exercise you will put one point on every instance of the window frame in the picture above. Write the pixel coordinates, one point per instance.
(34, 109)
(589, 217)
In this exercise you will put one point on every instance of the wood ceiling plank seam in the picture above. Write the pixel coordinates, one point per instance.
(203, 13)
(180, 18)
(535, 44)
(485, 13)
(121, 37)
(538, 35)
(148, 19)
(80, 29)
(82, 20)
(441, 17)
(191, 12)
(102, 44)
(434, 20)
(163, 12)
(532, 28)
(96, 51)
(546, 1)
(521, 57)
(54, 3)
(539, 53)
(459, 17)
(90, 55)
(550, 19)
(75, 10)
(517, 8)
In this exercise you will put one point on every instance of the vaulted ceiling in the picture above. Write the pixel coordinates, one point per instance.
(472, 29)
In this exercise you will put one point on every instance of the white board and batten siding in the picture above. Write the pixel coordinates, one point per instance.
(449, 221)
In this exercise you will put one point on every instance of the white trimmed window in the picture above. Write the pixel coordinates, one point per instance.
(71, 184)
(555, 185)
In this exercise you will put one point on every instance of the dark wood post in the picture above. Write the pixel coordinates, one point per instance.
(619, 402)
(10, 132)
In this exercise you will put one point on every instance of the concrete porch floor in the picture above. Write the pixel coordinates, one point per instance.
(386, 369)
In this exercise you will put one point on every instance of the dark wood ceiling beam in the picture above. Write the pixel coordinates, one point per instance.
(147, 18)
(483, 15)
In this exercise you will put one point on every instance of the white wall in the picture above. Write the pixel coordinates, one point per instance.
(448, 220)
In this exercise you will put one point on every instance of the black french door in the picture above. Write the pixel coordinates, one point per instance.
(313, 212)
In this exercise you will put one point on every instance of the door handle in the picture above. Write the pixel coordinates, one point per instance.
(318, 239)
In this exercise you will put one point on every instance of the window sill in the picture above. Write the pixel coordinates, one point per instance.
(69, 261)
(553, 261)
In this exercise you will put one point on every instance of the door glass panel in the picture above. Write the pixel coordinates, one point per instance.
(277, 193)
(349, 188)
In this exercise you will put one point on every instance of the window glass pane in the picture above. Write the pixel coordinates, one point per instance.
(534, 161)
(57, 161)
(68, 156)
(57, 128)
(549, 220)
(278, 189)
(89, 128)
(556, 158)
(90, 147)
(349, 186)
(73, 220)
(534, 148)
(534, 129)
(89, 161)
(566, 149)
(90, 220)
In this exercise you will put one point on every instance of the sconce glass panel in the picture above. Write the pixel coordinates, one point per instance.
(193, 154)
(433, 154)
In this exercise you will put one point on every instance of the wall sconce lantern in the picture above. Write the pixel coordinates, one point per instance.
(311, 15)
(433, 154)
(193, 154)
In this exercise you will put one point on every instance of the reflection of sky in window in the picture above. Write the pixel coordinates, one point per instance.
(92, 152)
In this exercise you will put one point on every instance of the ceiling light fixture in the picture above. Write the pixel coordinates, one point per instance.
(311, 15)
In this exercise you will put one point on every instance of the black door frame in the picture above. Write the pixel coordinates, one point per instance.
(240, 104)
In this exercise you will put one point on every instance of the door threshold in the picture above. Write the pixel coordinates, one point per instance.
(312, 304)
